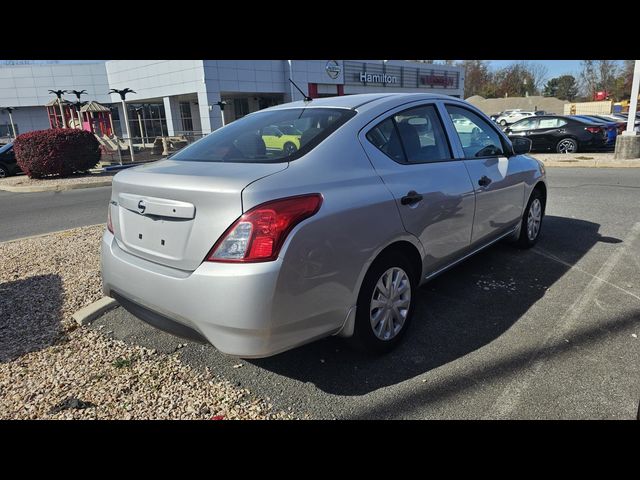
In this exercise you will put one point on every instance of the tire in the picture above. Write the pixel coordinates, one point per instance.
(4, 171)
(289, 148)
(567, 145)
(503, 123)
(529, 236)
(390, 266)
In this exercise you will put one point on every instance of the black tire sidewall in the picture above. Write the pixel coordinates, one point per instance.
(6, 170)
(523, 240)
(363, 337)
(290, 147)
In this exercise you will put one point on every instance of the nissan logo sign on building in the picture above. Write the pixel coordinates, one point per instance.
(333, 69)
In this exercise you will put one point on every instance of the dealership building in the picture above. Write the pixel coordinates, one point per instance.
(176, 97)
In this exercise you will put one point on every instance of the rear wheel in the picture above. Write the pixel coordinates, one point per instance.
(4, 171)
(385, 304)
(531, 221)
(503, 123)
(567, 145)
(289, 148)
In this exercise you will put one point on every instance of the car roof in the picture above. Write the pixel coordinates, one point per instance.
(361, 101)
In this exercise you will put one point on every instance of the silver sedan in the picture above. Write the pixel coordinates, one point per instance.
(257, 248)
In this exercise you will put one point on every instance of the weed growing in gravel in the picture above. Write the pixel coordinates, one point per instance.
(121, 363)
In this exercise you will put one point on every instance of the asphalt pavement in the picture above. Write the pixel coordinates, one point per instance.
(548, 333)
(26, 214)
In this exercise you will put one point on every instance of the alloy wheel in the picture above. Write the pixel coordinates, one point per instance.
(566, 146)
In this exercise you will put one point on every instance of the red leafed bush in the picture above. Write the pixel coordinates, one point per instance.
(60, 151)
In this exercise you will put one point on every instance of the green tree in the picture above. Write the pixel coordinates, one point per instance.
(551, 88)
(567, 88)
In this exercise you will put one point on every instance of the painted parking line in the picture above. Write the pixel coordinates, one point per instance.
(550, 256)
(510, 397)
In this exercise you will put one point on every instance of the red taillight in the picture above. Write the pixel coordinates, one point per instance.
(258, 235)
(109, 223)
(593, 129)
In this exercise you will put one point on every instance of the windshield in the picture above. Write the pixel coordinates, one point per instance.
(270, 136)
(5, 148)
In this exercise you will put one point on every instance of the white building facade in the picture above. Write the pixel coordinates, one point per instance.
(175, 97)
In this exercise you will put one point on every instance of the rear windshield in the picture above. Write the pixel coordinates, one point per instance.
(270, 136)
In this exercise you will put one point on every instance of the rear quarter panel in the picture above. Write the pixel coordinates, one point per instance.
(325, 258)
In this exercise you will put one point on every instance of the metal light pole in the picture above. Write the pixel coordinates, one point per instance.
(291, 78)
(138, 110)
(633, 106)
(221, 104)
(13, 127)
(123, 94)
(59, 93)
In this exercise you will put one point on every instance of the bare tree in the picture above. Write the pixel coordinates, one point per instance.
(608, 71)
(589, 78)
(538, 74)
(477, 78)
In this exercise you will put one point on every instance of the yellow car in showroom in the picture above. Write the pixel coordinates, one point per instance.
(283, 138)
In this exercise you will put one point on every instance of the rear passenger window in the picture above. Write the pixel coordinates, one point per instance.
(412, 136)
(477, 137)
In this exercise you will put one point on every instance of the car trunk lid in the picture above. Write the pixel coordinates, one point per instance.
(172, 212)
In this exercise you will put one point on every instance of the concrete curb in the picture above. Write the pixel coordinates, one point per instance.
(39, 235)
(592, 164)
(88, 314)
(53, 188)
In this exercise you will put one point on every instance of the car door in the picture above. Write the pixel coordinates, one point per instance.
(526, 128)
(523, 128)
(498, 181)
(409, 150)
(548, 131)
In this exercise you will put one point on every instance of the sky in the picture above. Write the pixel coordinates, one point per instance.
(555, 67)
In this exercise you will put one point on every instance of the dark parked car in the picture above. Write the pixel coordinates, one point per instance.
(8, 165)
(559, 133)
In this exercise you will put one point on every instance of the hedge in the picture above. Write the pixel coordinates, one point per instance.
(60, 151)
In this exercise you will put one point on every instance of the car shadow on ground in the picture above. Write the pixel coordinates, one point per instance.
(456, 313)
(30, 311)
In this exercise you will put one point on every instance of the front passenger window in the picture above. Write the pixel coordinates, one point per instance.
(477, 137)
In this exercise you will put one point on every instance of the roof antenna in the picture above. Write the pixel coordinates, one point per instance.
(307, 98)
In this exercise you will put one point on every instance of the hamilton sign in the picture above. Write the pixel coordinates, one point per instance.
(377, 78)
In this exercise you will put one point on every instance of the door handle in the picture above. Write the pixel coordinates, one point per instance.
(484, 181)
(411, 198)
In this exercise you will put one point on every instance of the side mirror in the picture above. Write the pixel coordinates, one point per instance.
(521, 145)
(279, 134)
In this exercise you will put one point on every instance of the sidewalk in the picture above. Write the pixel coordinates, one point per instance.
(597, 160)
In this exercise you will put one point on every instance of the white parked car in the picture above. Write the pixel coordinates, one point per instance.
(512, 116)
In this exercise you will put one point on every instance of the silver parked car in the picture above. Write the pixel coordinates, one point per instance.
(258, 250)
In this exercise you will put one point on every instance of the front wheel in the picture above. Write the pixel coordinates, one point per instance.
(385, 304)
(4, 171)
(531, 221)
(503, 123)
(567, 145)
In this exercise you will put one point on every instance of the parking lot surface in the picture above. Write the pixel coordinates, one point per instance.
(548, 333)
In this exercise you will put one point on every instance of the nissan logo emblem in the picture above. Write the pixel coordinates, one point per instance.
(333, 69)
(141, 206)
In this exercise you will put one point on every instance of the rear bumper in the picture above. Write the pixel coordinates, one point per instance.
(229, 305)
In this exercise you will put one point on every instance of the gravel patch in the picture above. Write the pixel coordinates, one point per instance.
(25, 181)
(52, 369)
